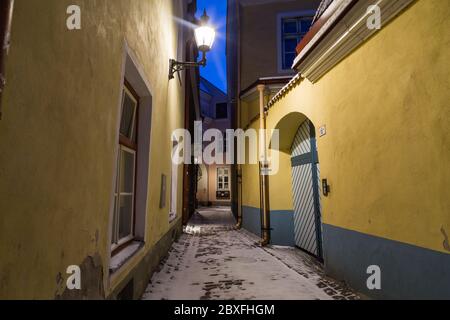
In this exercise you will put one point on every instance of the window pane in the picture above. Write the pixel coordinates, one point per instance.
(114, 231)
(290, 26)
(226, 186)
(288, 60)
(126, 216)
(290, 44)
(221, 111)
(305, 25)
(127, 172)
(128, 118)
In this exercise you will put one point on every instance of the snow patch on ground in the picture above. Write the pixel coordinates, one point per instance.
(213, 261)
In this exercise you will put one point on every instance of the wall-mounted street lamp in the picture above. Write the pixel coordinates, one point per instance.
(204, 37)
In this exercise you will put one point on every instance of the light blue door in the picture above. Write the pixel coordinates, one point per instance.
(305, 187)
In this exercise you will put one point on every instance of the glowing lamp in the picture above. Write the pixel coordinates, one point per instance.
(204, 38)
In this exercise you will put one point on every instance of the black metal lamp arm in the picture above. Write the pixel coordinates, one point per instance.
(176, 66)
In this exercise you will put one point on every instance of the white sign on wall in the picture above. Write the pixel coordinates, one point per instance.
(323, 130)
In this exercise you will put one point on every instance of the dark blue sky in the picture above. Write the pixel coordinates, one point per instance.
(215, 70)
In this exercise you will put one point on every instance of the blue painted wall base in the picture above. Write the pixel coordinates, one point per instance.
(281, 222)
(407, 271)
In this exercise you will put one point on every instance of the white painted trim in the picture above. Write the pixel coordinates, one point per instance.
(342, 6)
(223, 176)
(130, 95)
(285, 90)
(347, 35)
(280, 17)
(120, 194)
(254, 94)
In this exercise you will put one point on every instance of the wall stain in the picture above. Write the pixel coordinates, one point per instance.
(446, 241)
(59, 279)
(91, 281)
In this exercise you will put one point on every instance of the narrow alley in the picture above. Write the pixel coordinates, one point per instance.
(213, 261)
(225, 150)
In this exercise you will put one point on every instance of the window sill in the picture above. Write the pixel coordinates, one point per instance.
(124, 255)
(172, 217)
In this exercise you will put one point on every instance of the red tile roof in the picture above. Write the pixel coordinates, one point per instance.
(326, 10)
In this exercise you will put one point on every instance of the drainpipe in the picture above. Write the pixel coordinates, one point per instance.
(263, 170)
(239, 194)
(238, 225)
(6, 9)
(239, 177)
(238, 104)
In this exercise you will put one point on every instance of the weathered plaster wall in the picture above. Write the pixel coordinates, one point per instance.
(58, 134)
(386, 152)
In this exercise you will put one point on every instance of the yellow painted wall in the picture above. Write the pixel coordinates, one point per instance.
(57, 136)
(387, 149)
(282, 198)
(250, 181)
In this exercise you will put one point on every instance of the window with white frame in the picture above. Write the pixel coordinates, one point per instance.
(293, 29)
(125, 187)
(223, 179)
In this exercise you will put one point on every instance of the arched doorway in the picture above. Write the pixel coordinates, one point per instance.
(305, 190)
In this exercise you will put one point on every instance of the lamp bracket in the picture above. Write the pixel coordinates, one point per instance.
(177, 66)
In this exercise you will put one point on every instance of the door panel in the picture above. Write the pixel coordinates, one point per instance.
(305, 187)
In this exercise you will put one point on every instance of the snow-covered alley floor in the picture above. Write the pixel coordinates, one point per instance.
(214, 261)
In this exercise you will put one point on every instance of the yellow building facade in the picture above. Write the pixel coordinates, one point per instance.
(59, 136)
(380, 116)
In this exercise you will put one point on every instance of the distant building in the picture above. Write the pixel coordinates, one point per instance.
(214, 184)
(262, 37)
